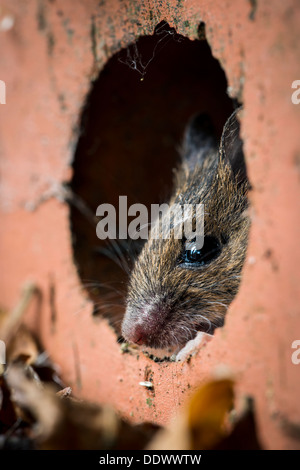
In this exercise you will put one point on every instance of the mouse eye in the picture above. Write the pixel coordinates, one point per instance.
(210, 250)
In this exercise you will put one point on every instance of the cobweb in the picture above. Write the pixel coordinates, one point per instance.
(132, 56)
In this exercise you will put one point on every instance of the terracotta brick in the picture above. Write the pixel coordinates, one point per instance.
(48, 58)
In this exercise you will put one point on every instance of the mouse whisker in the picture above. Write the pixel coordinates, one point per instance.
(115, 254)
(218, 303)
(207, 320)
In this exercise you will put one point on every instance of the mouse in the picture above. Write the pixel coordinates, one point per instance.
(177, 290)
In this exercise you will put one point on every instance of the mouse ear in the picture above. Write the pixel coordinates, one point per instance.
(231, 147)
(199, 140)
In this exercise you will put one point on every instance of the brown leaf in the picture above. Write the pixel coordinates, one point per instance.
(11, 321)
(70, 424)
(201, 423)
(22, 347)
(207, 410)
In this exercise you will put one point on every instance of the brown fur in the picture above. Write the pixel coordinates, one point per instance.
(169, 302)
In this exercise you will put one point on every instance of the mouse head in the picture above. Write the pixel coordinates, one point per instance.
(176, 289)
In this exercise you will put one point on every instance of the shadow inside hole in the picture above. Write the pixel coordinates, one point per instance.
(131, 128)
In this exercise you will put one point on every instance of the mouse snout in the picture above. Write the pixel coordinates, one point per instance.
(140, 327)
(137, 335)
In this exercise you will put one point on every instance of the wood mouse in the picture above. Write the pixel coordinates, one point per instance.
(173, 293)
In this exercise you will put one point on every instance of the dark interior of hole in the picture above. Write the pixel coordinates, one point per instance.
(131, 129)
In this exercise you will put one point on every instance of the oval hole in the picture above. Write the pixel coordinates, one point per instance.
(131, 128)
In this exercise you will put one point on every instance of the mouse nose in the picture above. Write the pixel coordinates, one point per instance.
(138, 335)
(142, 326)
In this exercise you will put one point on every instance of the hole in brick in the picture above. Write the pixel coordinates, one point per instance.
(131, 128)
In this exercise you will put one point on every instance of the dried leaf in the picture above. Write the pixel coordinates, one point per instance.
(201, 423)
(70, 424)
(10, 322)
(22, 347)
(207, 410)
